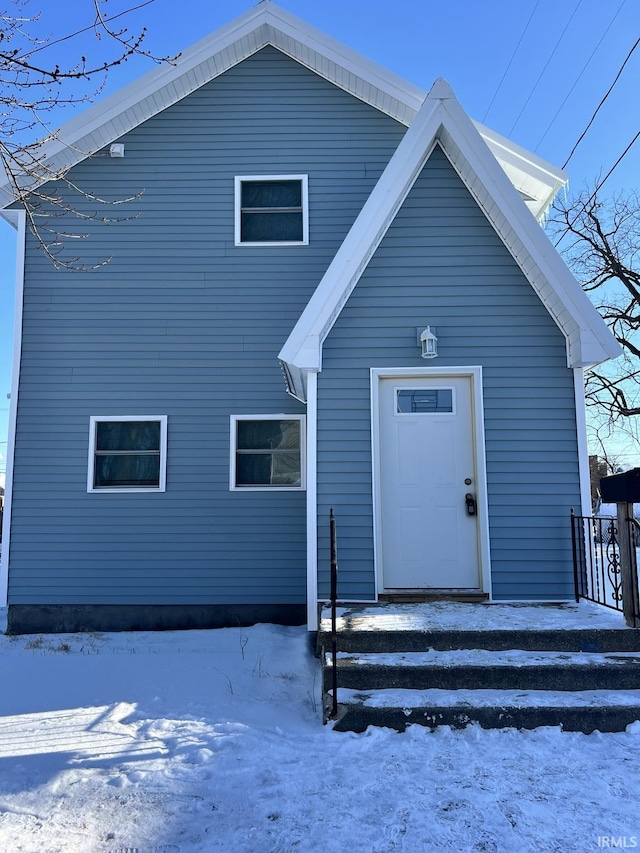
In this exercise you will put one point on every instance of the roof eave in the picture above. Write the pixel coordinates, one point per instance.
(303, 348)
(443, 120)
(266, 23)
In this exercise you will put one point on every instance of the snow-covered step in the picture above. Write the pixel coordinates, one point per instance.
(452, 625)
(575, 665)
(583, 711)
(483, 668)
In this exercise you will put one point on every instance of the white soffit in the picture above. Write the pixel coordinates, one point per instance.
(441, 120)
(268, 24)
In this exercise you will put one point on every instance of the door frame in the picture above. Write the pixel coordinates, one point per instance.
(473, 373)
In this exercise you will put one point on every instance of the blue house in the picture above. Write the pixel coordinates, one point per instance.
(327, 288)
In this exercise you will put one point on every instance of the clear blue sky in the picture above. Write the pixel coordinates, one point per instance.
(569, 54)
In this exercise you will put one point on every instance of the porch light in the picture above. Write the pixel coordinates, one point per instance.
(428, 343)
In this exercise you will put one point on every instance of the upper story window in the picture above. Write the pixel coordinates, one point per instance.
(272, 210)
(127, 453)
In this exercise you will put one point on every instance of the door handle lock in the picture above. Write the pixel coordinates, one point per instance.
(470, 501)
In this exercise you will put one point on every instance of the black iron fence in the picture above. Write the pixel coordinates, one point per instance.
(598, 548)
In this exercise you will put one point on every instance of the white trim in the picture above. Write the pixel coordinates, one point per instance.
(282, 416)
(441, 120)
(376, 503)
(583, 451)
(303, 348)
(161, 487)
(237, 184)
(267, 24)
(312, 502)
(18, 219)
(474, 373)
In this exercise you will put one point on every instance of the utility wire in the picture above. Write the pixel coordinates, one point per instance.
(513, 56)
(616, 164)
(579, 77)
(553, 53)
(599, 186)
(597, 110)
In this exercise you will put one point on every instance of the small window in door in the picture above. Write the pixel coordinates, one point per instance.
(424, 401)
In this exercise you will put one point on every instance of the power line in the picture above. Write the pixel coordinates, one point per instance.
(607, 93)
(579, 77)
(553, 53)
(513, 56)
(617, 163)
(599, 186)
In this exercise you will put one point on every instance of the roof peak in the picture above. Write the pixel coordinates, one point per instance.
(442, 121)
(267, 23)
(441, 90)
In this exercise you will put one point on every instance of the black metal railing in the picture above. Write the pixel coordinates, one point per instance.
(333, 549)
(634, 581)
(597, 562)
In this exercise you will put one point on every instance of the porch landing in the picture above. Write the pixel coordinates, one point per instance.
(450, 663)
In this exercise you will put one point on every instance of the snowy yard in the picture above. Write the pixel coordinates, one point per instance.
(212, 740)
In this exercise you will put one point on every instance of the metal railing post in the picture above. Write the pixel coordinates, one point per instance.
(334, 599)
(574, 550)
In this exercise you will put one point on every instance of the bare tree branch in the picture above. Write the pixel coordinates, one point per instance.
(33, 87)
(600, 241)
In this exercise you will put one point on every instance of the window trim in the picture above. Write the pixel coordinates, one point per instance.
(233, 450)
(96, 419)
(304, 180)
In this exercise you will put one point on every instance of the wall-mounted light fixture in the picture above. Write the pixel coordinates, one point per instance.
(428, 343)
(116, 150)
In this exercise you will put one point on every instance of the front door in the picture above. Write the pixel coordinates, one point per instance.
(428, 483)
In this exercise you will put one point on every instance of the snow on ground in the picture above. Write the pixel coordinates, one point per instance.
(212, 740)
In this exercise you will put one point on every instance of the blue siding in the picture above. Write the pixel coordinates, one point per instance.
(442, 263)
(183, 323)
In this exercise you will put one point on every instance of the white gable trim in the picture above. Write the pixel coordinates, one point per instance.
(442, 120)
(267, 24)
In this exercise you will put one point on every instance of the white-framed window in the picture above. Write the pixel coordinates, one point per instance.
(271, 210)
(127, 453)
(267, 452)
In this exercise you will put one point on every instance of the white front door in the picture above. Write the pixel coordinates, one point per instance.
(428, 484)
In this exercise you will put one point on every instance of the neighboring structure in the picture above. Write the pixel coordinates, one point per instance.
(597, 470)
(305, 213)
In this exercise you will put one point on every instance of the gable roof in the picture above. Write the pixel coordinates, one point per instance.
(268, 24)
(441, 120)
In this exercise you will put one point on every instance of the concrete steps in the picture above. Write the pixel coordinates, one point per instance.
(437, 664)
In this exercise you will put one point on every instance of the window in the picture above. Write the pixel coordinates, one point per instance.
(127, 453)
(424, 401)
(271, 210)
(267, 452)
